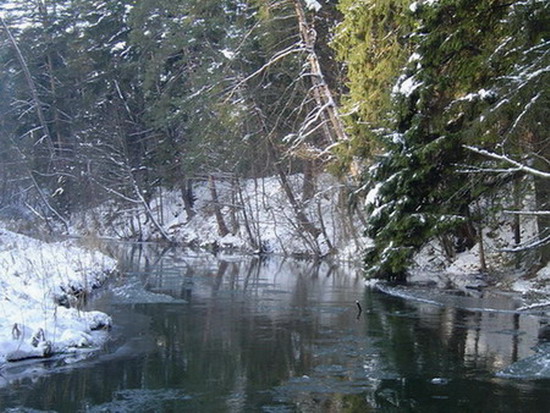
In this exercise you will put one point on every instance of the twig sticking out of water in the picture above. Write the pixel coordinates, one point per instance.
(359, 309)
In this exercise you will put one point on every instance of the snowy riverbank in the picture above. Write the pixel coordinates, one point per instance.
(246, 215)
(36, 278)
(258, 215)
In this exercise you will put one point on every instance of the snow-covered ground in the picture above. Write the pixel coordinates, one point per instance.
(256, 212)
(39, 285)
(504, 269)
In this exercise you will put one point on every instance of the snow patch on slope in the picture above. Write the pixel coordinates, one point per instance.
(465, 270)
(257, 213)
(35, 277)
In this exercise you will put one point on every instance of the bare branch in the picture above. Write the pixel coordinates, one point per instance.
(295, 48)
(525, 247)
(511, 161)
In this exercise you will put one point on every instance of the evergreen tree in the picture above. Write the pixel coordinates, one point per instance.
(456, 90)
(373, 40)
(416, 194)
(515, 124)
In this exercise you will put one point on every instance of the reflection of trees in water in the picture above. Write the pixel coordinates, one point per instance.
(424, 343)
(254, 324)
(461, 395)
(235, 330)
(428, 338)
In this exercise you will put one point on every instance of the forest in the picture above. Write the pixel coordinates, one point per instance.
(421, 122)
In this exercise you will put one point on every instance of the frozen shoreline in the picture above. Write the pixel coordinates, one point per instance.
(35, 279)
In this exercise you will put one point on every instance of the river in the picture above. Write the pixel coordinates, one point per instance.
(198, 333)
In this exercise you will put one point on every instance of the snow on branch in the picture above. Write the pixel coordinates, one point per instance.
(529, 246)
(478, 170)
(531, 213)
(509, 160)
(313, 5)
(524, 112)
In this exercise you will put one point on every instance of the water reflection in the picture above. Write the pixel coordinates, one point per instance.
(196, 332)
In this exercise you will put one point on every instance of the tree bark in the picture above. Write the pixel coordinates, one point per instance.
(222, 227)
(334, 131)
(186, 188)
(308, 187)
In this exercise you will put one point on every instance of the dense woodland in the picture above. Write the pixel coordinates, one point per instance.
(433, 114)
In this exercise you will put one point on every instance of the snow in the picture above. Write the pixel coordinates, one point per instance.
(406, 85)
(261, 202)
(35, 277)
(7, 9)
(118, 46)
(465, 272)
(228, 54)
(313, 5)
(481, 94)
(415, 57)
(536, 290)
(372, 195)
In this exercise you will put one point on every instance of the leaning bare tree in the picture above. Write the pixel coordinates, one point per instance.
(299, 121)
(44, 146)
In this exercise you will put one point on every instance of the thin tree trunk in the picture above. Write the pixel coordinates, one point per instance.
(482, 261)
(516, 225)
(222, 227)
(308, 187)
(303, 221)
(58, 141)
(233, 217)
(253, 241)
(32, 87)
(161, 205)
(148, 212)
(518, 206)
(186, 188)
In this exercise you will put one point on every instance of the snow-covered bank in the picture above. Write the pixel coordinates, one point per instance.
(36, 278)
(488, 264)
(256, 212)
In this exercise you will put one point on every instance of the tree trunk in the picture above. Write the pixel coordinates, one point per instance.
(482, 261)
(303, 221)
(37, 104)
(186, 188)
(516, 225)
(222, 227)
(247, 224)
(308, 187)
(324, 99)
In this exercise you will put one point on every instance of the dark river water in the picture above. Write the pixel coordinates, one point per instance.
(198, 333)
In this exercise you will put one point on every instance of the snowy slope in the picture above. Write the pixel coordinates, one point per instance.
(256, 211)
(34, 278)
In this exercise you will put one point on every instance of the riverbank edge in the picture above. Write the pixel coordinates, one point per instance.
(43, 285)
